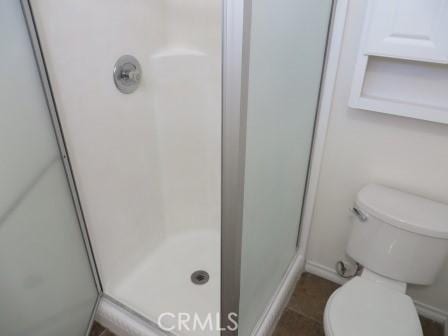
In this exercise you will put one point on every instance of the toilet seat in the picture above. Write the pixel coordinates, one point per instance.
(364, 308)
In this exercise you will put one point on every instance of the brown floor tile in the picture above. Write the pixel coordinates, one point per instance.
(97, 329)
(293, 324)
(310, 296)
(107, 333)
(306, 307)
(431, 328)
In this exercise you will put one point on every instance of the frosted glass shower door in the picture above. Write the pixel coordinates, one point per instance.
(287, 48)
(47, 286)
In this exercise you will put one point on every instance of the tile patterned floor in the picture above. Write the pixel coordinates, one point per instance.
(304, 314)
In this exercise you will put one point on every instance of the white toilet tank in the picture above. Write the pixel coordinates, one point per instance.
(398, 235)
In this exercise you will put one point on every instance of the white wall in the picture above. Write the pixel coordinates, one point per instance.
(147, 165)
(364, 147)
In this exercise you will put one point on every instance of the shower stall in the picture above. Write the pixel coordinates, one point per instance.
(147, 163)
(174, 203)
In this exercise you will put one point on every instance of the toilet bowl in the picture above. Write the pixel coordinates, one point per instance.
(364, 308)
(398, 238)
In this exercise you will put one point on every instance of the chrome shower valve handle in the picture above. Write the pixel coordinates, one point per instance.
(132, 75)
(127, 74)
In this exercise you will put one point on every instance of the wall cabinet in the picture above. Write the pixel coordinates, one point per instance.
(408, 29)
(402, 66)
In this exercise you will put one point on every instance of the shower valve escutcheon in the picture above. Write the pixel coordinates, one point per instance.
(127, 74)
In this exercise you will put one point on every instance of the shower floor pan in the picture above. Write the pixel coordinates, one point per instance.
(162, 282)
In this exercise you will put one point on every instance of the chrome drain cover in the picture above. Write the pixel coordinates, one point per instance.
(200, 277)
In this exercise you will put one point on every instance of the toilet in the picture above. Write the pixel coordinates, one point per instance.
(399, 239)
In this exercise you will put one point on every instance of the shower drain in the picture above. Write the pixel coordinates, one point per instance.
(200, 277)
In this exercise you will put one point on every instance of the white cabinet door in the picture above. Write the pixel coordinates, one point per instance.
(408, 29)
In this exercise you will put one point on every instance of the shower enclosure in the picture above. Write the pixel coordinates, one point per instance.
(182, 198)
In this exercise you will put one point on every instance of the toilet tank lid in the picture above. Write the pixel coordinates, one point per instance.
(405, 211)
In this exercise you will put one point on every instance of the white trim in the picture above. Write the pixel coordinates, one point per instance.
(268, 321)
(324, 272)
(323, 115)
(123, 322)
(425, 310)
(432, 313)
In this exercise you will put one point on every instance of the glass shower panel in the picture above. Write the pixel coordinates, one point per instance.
(287, 48)
(46, 284)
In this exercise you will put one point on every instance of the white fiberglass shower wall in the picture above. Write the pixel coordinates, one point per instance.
(147, 164)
